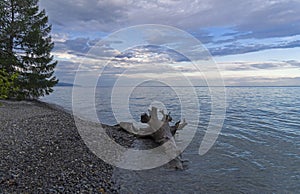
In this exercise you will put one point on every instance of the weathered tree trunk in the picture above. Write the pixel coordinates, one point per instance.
(159, 130)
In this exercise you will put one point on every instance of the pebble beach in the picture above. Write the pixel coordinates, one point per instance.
(41, 151)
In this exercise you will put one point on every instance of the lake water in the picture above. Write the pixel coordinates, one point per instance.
(258, 149)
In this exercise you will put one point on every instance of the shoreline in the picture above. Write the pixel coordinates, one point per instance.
(43, 151)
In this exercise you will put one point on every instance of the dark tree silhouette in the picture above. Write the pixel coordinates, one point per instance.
(26, 44)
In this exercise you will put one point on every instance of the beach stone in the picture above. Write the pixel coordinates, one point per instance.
(42, 152)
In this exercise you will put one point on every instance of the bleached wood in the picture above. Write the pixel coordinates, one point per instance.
(161, 132)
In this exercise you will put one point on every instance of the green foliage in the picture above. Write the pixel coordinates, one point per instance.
(7, 83)
(25, 48)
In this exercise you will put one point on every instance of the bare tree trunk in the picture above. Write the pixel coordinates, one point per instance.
(160, 131)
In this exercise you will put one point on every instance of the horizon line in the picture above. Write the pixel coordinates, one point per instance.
(106, 86)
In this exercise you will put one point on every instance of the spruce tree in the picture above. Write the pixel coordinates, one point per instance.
(25, 47)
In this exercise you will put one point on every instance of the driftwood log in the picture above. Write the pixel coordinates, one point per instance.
(158, 130)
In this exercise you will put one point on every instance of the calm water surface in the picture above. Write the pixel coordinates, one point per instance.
(258, 149)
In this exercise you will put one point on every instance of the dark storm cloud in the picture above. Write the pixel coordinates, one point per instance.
(259, 19)
(264, 66)
(270, 65)
(238, 48)
(277, 19)
(85, 15)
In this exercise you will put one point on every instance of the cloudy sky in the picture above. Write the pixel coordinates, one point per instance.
(253, 42)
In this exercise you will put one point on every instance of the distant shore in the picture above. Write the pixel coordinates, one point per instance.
(42, 151)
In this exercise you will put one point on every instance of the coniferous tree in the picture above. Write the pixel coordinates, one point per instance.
(25, 47)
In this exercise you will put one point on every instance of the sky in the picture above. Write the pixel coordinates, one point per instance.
(251, 42)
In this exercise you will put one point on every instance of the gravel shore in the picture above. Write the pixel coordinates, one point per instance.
(41, 151)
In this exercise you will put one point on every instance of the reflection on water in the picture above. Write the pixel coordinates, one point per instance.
(258, 148)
